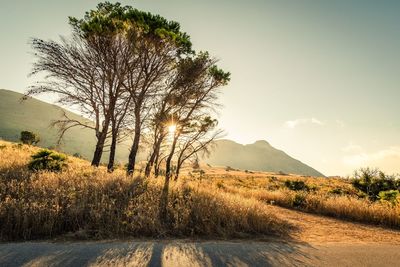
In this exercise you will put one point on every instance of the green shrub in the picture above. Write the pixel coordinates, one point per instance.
(29, 138)
(299, 200)
(390, 196)
(229, 168)
(77, 155)
(220, 185)
(47, 160)
(336, 191)
(372, 181)
(296, 185)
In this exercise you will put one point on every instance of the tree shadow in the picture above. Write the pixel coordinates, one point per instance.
(75, 254)
(227, 253)
(156, 253)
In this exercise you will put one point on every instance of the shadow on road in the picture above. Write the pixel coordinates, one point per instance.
(155, 253)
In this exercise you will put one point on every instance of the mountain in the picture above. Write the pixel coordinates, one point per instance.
(36, 116)
(260, 156)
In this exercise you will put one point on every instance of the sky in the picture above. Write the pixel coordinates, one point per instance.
(317, 79)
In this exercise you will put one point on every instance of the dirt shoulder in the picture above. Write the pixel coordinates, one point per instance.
(321, 229)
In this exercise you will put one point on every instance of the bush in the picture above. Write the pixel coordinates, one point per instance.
(229, 168)
(29, 138)
(372, 182)
(390, 196)
(296, 185)
(77, 155)
(299, 200)
(336, 191)
(47, 160)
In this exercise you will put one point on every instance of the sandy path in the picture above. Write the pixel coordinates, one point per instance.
(321, 229)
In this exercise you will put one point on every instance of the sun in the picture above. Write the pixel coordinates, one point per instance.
(172, 128)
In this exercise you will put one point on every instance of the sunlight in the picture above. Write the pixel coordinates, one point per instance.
(172, 128)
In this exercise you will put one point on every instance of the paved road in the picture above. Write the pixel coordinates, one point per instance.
(189, 253)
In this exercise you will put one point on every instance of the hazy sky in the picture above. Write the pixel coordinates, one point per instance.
(317, 79)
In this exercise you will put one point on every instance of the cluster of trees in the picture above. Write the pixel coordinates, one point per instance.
(136, 76)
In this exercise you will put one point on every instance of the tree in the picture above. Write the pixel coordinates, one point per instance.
(29, 138)
(85, 72)
(196, 142)
(155, 45)
(198, 81)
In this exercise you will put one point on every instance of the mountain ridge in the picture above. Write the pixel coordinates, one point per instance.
(257, 156)
(36, 115)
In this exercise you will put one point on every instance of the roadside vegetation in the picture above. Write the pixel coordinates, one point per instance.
(370, 196)
(83, 202)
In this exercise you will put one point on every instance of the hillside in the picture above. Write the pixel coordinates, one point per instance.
(36, 116)
(260, 156)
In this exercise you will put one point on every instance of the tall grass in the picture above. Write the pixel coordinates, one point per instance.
(348, 207)
(85, 202)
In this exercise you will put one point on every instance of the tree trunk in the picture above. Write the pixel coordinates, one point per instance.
(100, 144)
(113, 147)
(178, 165)
(178, 168)
(164, 193)
(157, 165)
(98, 153)
(164, 202)
(149, 164)
(153, 157)
(135, 146)
(169, 158)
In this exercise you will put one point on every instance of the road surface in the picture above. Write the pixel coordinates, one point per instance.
(189, 253)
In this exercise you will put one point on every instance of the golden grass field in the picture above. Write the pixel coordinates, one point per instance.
(86, 202)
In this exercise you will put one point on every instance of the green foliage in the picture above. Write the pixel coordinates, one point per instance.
(220, 75)
(372, 181)
(299, 200)
(77, 155)
(29, 138)
(220, 185)
(296, 185)
(47, 160)
(229, 168)
(336, 191)
(110, 19)
(390, 196)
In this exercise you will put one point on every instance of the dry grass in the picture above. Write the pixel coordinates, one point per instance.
(318, 200)
(85, 202)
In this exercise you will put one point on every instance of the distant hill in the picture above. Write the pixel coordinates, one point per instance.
(36, 116)
(260, 156)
